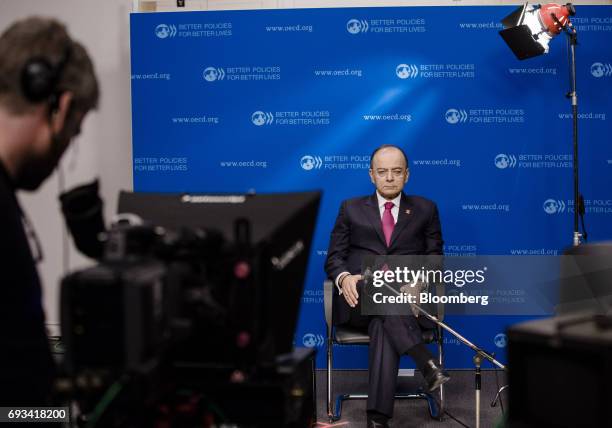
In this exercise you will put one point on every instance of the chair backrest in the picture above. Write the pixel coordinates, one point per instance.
(328, 291)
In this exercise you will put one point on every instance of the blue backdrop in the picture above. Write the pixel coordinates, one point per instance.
(289, 100)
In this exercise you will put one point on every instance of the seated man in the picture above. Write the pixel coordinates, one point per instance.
(385, 223)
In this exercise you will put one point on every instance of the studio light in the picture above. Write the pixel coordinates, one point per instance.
(530, 28)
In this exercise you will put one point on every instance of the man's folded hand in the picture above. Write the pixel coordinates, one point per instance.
(349, 289)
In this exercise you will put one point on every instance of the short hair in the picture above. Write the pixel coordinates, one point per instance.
(37, 37)
(387, 146)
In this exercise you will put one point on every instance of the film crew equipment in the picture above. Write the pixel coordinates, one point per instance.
(528, 31)
(191, 313)
(548, 356)
(560, 372)
(530, 28)
(83, 212)
(586, 275)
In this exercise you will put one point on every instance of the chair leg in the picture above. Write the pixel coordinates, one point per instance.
(313, 367)
(434, 409)
(341, 398)
(330, 403)
(334, 413)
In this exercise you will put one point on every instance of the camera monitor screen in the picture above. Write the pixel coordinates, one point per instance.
(278, 227)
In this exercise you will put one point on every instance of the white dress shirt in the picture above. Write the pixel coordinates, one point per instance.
(381, 205)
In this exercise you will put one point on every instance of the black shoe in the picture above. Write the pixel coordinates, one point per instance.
(377, 420)
(434, 376)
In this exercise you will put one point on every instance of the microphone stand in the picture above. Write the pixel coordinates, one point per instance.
(478, 358)
(480, 354)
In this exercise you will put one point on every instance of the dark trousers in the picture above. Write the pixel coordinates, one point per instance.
(391, 336)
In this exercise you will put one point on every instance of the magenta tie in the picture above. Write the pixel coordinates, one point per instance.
(387, 222)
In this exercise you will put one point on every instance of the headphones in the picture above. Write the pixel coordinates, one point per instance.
(39, 79)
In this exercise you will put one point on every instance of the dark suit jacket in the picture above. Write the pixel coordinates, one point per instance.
(358, 233)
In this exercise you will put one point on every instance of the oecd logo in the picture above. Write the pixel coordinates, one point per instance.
(311, 340)
(164, 31)
(211, 74)
(260, 118)
(503, 161)
(311, 162)
(500, 340)
(599, 69)
(552, 206)
(355, 26)
(404, 71)
(454, 116)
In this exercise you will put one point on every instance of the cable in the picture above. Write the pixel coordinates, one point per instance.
(581, 211)
(501, 402)
(108, 397)
(65, 237)
(211, 405)
(446, 412)
(74, 151)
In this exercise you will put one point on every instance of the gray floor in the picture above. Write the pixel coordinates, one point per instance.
(459, 397)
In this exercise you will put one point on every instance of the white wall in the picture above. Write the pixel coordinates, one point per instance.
(104, 148)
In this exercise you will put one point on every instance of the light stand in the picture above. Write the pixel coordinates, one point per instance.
(528, 31)
(573, 96)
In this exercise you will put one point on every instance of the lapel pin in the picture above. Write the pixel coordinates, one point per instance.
(408, 212)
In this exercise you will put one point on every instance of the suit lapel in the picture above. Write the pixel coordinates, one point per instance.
(404, 216)
(372, 213)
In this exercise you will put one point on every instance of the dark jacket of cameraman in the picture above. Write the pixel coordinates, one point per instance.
(26, 365)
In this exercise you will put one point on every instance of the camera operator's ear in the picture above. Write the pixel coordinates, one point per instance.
(59, 111)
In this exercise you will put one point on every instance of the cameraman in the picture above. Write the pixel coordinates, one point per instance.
(47, 86)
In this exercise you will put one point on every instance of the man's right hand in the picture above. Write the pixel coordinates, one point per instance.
(349, 289)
